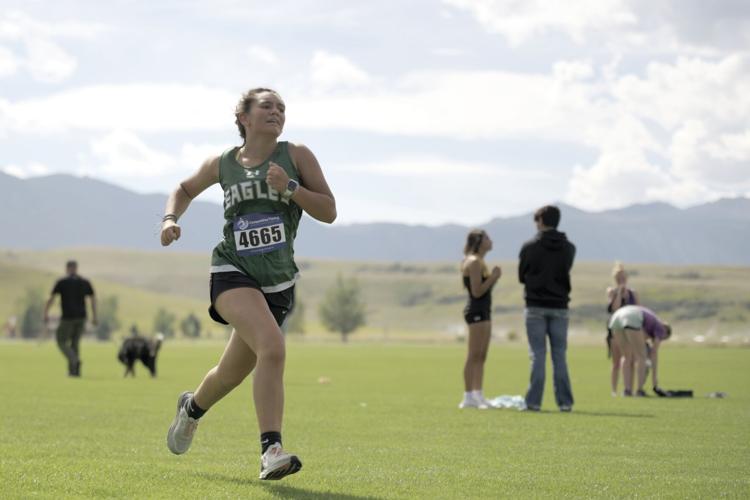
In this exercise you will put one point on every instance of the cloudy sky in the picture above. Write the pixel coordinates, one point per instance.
(426, 111)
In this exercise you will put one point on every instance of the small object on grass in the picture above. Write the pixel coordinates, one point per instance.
(324, 380)
(717, 395)
(505, 401)
(679, 393)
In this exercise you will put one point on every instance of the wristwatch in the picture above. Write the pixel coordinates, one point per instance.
(291, 187)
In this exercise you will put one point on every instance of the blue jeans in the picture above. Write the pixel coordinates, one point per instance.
(543, 322)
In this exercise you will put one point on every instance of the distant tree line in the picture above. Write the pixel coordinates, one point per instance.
(31, 324)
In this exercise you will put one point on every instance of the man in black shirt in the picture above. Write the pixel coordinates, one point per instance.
(544, 269)
(72, 290)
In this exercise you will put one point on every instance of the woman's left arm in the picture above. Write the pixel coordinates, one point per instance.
(313, 194)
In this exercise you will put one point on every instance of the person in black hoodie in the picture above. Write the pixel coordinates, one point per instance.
(544, 269)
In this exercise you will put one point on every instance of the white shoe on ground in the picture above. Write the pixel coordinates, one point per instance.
(181, 432)
(275, 463)
(473, 402)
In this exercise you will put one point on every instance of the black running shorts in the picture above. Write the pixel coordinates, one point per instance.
(476, 317)
(280, 303)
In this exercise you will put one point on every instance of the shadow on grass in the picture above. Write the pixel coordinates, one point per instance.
(591, 414)
(283, 490)
(610, 414)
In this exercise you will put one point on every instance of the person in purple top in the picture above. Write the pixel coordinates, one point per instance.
(618, 296)
(631, 326)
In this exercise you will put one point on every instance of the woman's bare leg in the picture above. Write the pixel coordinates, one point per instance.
(639, 355)
(621, 338)
(616, 364)
(234, 366)
(247, 311)
(479, 341)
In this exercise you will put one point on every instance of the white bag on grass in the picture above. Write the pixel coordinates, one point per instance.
(506, 401)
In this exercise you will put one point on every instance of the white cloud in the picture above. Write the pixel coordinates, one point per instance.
(137, 107)
(719, 161)
(568, 71)
(448, 51)
(192, 155)
(421, 166)
(16, 25)
(412, 189)
(519, 21)
(461, 104)
(622, 173)
(8, 62)
(716, 92)
(25, 171)
(48, 62)
(331, 71)
(45, 59)
(123, 154)
(694, 27)
(693, 115)
(640, 125)
(262, 54)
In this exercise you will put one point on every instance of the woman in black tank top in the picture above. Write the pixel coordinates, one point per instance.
(478, 282)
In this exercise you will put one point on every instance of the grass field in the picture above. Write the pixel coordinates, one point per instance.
(386, 426)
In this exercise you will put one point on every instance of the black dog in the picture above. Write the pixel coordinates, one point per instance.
(137, 347)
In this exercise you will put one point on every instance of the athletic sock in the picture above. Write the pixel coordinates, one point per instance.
(269, 438)
(193, 410)
(477, 395)
(468, 396)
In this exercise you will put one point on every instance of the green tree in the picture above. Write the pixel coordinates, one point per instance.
(342, 309)
(164, 322)
(32, 317)
(190, 326)
(106, 315)
(295, 322)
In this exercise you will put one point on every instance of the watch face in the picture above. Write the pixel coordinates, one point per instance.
(292, 185)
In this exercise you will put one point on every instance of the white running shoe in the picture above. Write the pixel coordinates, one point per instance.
(181, 432)
(275, 463)
(474, 403)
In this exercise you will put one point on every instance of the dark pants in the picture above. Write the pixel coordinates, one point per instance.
(542, 322)
(68, 338)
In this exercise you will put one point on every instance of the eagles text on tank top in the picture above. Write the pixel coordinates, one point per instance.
(260, 225)
(477, 304)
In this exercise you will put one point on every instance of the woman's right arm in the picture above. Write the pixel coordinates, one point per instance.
(614, 294)
(178, 202)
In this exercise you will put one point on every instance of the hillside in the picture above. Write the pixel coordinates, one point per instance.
(422, 300)
(63, 211)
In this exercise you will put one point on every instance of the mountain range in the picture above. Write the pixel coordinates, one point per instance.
(66, 211)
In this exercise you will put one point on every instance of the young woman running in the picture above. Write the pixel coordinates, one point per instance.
(267, 184)
(478, 282)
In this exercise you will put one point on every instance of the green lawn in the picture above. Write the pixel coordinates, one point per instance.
(386, 426)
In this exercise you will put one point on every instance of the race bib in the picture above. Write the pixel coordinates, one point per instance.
(258, 233)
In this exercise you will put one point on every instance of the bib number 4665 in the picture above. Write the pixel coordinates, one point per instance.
(259, 233)
(262, 236)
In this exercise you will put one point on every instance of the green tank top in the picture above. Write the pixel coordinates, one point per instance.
(260, 225)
